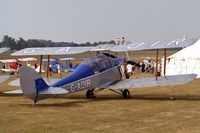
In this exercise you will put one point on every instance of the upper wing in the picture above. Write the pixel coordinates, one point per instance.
(52, 51)
(151, 82)
(103, 47)
(179, 43)
(61, 50)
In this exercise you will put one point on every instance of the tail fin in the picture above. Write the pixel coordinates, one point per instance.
(31, 82)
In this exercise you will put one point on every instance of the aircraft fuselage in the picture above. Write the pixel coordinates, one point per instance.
(97, 72)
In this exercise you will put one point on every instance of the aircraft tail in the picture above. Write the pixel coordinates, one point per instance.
(34, 86)
(31, 82)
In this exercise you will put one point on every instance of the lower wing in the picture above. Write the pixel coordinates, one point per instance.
(151, 82)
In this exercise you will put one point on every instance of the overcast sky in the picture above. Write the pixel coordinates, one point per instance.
(96, 20)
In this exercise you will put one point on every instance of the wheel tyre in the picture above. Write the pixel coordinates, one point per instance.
(90, 94)
(126, 93)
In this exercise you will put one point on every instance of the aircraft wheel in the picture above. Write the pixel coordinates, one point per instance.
(90, 94)
(126, 93)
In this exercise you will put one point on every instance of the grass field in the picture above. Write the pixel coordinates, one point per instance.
(151, 110)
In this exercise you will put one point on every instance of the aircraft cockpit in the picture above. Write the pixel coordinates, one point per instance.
(101, 63)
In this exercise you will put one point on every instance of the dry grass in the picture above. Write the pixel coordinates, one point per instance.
(163, 109)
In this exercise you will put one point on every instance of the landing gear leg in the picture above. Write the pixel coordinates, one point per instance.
(126, 93)
(90, 94)
(35, 101)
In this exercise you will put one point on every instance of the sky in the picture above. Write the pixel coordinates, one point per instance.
(99, 20)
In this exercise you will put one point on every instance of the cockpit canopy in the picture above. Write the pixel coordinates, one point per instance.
(102, 62)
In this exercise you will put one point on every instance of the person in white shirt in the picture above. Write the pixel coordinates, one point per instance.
(129, 68)
(117, 41)
(159, 69)
(59, 69)
(28, 64)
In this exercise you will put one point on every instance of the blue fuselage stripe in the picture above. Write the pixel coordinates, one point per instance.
(82, 71)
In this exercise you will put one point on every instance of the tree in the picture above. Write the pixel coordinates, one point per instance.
(21, 43)
(9, 42)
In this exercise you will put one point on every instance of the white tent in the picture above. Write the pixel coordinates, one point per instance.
(185, 61)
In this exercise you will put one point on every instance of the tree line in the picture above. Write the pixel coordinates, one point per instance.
(17, 44)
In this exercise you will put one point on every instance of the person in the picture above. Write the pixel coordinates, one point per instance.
(125, 69)
(159, 69)
(50, 69)
(143, 67)
(123, 40)
(59, 69)
(35, 65)
(28, 64)
(18, 66)
(70, 65)
(152, 67)
(129, 68)
(117, 41)
(3, 67)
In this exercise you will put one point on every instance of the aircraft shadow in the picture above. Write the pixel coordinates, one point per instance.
(78, 103)
(80, 100)
(167, 97)
(143, 97)
(9, 95)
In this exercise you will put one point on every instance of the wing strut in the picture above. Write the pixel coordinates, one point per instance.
(48, 66)
(156, 74)
(41, 56)
(165, 53)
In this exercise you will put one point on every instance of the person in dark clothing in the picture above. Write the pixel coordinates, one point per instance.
(143, 67)
(35, 65)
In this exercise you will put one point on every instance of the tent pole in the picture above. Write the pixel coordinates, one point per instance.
(41, 56)
(165, 53)
(156, 74)
(48, 66)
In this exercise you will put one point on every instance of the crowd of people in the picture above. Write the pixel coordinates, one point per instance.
(121, 41)
(58, 67)
(145, 66)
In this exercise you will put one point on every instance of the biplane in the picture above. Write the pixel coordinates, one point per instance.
(98, 73)
(4, 77)
(11, 65)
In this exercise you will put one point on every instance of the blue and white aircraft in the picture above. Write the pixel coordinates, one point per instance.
(95, 74)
